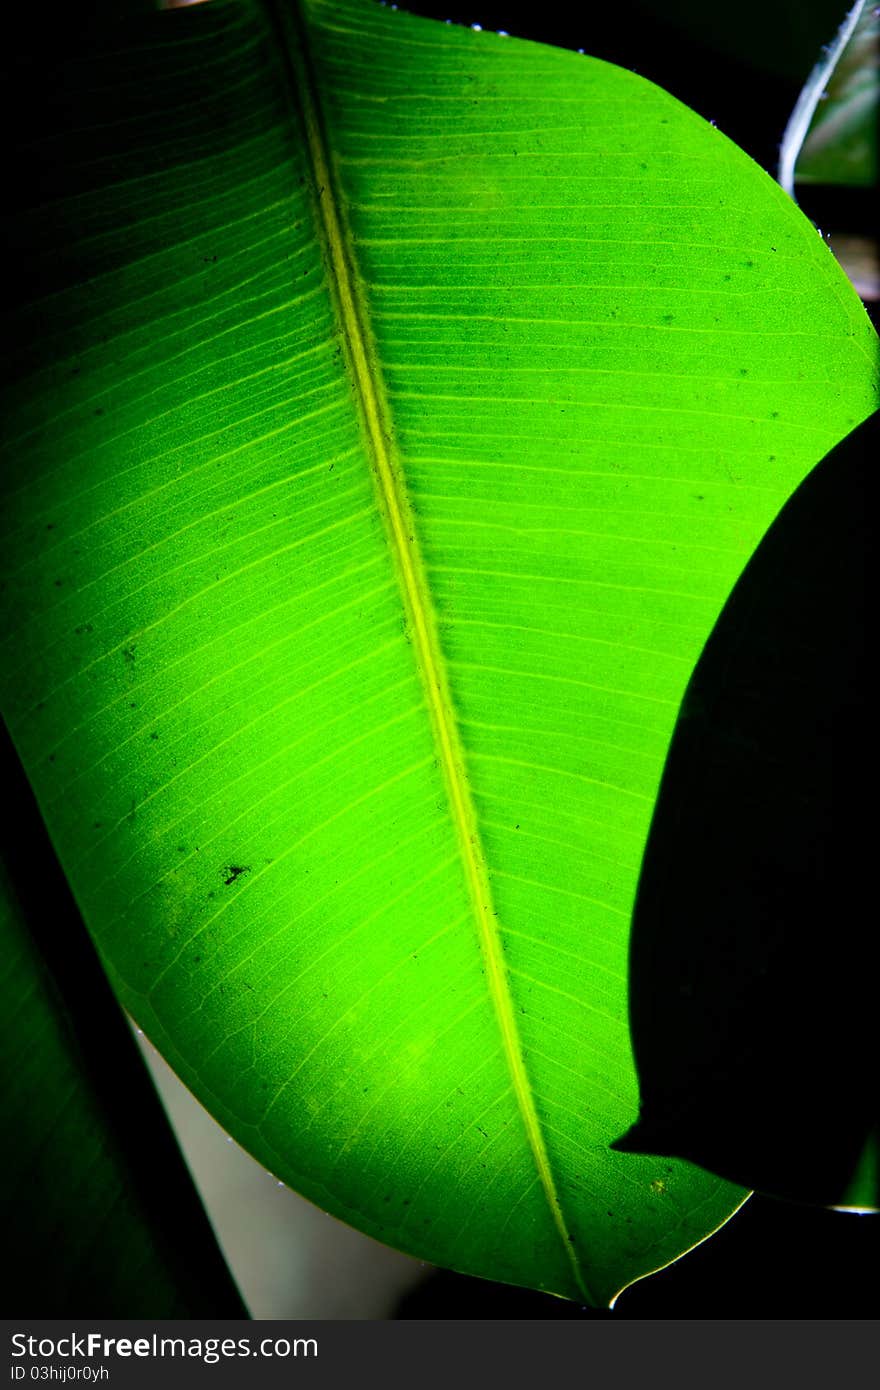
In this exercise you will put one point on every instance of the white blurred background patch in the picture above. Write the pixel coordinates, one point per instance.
(289, 1259)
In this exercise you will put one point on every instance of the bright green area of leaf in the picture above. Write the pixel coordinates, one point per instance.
(100, 1217)
(841, 146)
(861, 1195)
(357, 821)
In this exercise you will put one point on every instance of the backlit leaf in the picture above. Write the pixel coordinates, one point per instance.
(395, 407)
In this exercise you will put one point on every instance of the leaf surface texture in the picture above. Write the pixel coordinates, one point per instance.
(396, 407)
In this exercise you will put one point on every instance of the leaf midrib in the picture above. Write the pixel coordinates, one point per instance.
(351, 313)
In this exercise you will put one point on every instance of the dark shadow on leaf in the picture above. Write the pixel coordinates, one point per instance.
(752, 967)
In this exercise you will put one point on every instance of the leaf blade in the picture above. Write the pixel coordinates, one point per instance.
(277, 883)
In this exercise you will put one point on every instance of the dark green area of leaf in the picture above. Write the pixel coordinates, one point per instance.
(101, 1217)
(753, 954)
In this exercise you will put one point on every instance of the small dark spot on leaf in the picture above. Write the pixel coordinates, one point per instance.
(98, 411)
(154, 736)
(128, 654)
(234, 871)
(58, 583)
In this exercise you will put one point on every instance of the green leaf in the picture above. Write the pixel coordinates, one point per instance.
(100, 1215)
(395, 408)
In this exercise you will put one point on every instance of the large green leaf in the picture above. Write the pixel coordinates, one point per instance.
(395, 408)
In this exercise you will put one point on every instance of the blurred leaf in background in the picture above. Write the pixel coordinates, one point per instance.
(100, 1217)
(828, 153)
(841, 143)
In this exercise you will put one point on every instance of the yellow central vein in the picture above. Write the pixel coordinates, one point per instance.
(376, 420)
